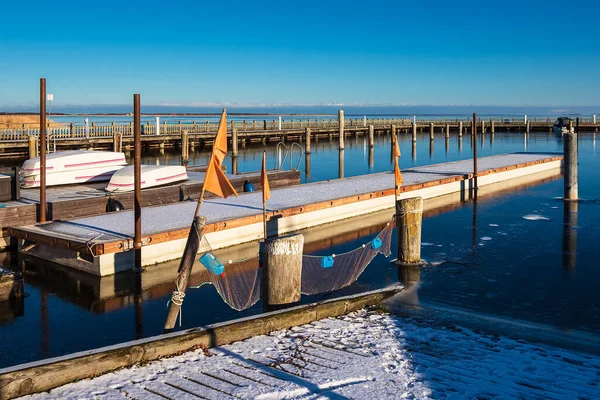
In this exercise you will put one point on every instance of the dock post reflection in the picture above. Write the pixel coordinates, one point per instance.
(459, 144)
(341, 165)
(234, 165)
(431, 148)
(414, 150)
(447, 142)
(569, 248)
(307, 166)
(45, 325)
(371, 158)
(138, 303)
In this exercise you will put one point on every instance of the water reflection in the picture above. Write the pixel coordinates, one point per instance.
(569, 250)
(341, 164)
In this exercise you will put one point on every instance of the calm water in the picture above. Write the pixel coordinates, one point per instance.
(486, 258)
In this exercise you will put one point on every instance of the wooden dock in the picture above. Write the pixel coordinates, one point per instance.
(201, 133)
(101, 245)
(77, 201)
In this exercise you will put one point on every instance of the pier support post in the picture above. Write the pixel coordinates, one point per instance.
(594, 119)
(137, 184)
(341, 128)
(447, 131)
(414, 132)
(492, 127)
(234, 142)
(570, 166)
(307, 149)
(431, 131)
(282, 269)
(117, 141)
(527, 126)
(185, 156)
(32, 144)
(371, 136)
(409, 217)
(460, 129)
(482, 127)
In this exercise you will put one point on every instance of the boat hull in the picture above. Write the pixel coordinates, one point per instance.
(71, 177)
(151, 176)
(74, 160)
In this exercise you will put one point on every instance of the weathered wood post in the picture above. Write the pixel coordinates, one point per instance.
(117, 141)
(32, 145)
(431, 131)
(393, 131)
(409, 216)
(474, 144)
(447, 131)
(414, 131)
(492, 127)
(460, 129)
(185, 154)
(307, 148)
(234, 142)
(42, 149)
(282, 269)
(341, 128)
(527, 126)
(482, 127)
(371, 136)
(137, 184)
(570, 166)
(571, 126)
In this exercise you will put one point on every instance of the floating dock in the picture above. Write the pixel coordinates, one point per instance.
(102, 245)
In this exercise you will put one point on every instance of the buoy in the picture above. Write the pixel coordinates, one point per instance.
(376, 243)
(212, 264)
(327, 262)
(114, 205)
(248, 186)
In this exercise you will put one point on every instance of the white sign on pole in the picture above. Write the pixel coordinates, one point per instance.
(157, 126)
(50, 97)
(279, 124)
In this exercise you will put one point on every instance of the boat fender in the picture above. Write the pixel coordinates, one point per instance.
(248, 186)
(327, 262)
(114, 205)
(376, 243)
(212, 264)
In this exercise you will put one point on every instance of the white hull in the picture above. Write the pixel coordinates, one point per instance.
(71, 177)
(152, 175)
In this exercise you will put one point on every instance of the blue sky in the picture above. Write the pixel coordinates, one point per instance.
(309, 52)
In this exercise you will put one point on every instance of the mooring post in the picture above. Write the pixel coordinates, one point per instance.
(234, 142)
(414, 131)
(32, 146)
(409, 216)
(482, 127)
(570, 166)
(117, 141)
(137, 184)
(371, 136)
(594, 119)
(460, 129)
(431, 131)
(474, 144)
(307, 148)
(42, 149)
(447, 131)
(341, 128)
(282, 269)
(185, 154)
(527, 126)
(492, 127)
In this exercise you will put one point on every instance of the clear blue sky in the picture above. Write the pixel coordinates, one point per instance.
(308, 52)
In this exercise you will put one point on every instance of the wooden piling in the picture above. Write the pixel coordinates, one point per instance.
(409, 216)
(341, 128)
(474, 145)
(117, 141)
(447, 131)
(42, 149)
(137, 184)
(282, 269)
(32, 144)
(307, 147)
(185, 153)
(482, 127)
(492, 127)
(414, 132)
(371, 136)
(571, 184)
(460, 129)
(234, 142)
(431, 131)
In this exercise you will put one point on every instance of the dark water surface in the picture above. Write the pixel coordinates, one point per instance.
(514, 255)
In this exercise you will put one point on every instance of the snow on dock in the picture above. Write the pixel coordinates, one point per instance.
(237, 220)
(361, 355)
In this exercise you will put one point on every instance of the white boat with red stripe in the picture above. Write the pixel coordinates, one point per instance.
(73, 166)
(151, 175)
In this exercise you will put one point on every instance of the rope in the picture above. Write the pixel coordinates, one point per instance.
(177, 299)
(403, 213)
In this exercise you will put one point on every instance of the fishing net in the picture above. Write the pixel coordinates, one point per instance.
(322, 274)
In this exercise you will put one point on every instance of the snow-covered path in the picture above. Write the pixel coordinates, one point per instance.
(361, 355)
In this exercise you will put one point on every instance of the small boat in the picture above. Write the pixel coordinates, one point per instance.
(562, 125)
(151, 175)
(72, 166)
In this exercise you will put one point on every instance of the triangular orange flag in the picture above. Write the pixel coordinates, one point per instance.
(396, 149)
(398, 176)
(220, 143)
(215, 180)
(264, 180)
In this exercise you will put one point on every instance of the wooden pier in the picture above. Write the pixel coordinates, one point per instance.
(197, 134)
(101, 245)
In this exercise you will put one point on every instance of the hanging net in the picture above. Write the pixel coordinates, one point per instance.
(322, 274)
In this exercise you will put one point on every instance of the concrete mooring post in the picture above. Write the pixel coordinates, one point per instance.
(409, 217)
(570, 166)
(341, 128)
(371, 136)
(282, 269)
(431, 131)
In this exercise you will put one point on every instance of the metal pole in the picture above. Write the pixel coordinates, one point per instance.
(137, 146)
(474, 140)
(42, 149)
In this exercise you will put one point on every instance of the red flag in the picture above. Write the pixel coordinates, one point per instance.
(264, 180)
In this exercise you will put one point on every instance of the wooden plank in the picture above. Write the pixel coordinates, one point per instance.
(44, 375)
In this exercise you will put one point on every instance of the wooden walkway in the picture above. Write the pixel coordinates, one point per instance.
(232, 221)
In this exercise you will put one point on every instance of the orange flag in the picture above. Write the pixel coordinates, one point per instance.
(264, 180)
(215, 180)
(220, 143)
(398, 176)
(396, 149)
